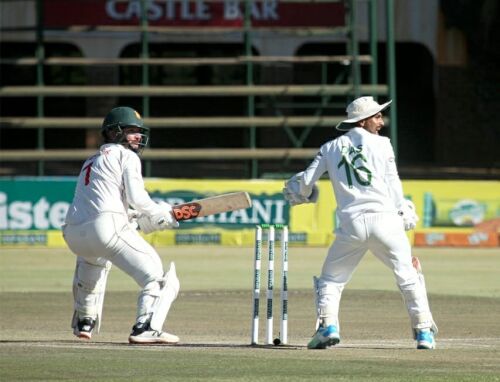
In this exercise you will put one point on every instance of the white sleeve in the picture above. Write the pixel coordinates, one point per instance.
(392, 180)
(313, 172)
(137, 196)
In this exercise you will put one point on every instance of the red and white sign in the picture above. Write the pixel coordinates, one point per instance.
(192, 13)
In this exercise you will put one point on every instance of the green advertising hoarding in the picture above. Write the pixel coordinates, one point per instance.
(32, 210)
(34, 205)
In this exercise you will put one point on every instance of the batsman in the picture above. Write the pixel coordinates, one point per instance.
(101, 230)
(373, 215)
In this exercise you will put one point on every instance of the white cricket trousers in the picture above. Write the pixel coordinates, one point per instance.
(109, 239)
(383, 234)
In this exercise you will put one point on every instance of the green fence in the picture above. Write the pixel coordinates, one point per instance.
(295, 108)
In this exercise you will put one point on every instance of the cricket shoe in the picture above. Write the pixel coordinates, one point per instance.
(324, 337)
(84, 327)
(142, 334)
(425, 339)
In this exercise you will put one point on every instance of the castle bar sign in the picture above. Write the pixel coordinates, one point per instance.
(190, 10)
(192, 13)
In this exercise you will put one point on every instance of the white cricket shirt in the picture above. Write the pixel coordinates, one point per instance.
(363, 172)
(110, 181)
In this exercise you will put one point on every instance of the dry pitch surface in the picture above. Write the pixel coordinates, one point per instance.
(212, 318)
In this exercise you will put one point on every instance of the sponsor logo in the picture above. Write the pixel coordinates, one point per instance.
(194, 13)
(31, 214)
(187, 10)
(467, 213)
(266, 209)
(434, 238)
(45, 209)
(293, 237)
(198, 238)
(187, 211)
(22, 238)
(477, 238)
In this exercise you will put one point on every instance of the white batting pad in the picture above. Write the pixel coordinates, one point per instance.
(89, 286)
(156, 298)
(327, 301)
(168, 294)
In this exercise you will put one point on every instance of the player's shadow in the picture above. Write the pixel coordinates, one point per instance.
(108, 344)
(79, 343)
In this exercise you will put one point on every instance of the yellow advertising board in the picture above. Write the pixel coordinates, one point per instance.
(310, 224)
(461, 213)
(457, 213)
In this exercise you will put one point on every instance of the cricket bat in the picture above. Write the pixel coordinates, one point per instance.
(212, 205)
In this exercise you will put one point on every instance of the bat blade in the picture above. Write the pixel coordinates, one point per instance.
(212, 205)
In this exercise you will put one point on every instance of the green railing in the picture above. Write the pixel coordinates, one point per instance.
(347, 85)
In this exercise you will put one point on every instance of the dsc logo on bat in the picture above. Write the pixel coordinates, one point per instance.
(186, 211)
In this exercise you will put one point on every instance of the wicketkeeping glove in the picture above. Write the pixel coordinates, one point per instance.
(292, 192)
(410, 217)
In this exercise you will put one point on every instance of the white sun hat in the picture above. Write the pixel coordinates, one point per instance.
(361, 108)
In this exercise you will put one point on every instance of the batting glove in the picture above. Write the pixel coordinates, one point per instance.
(133, 215)
(147, 225)
(165, 219)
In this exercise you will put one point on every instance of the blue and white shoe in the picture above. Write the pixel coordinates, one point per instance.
(324, 337)
(425, 339)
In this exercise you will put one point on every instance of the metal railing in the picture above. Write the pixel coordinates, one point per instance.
(352, 61)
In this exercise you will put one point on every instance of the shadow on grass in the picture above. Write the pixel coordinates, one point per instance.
(184, 345)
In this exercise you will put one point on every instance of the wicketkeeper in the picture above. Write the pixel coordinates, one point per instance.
(100, 229)
(373, 215)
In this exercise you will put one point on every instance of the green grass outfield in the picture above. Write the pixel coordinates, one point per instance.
(212, 316)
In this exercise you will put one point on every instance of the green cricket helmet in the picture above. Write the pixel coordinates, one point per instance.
(120, 118)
